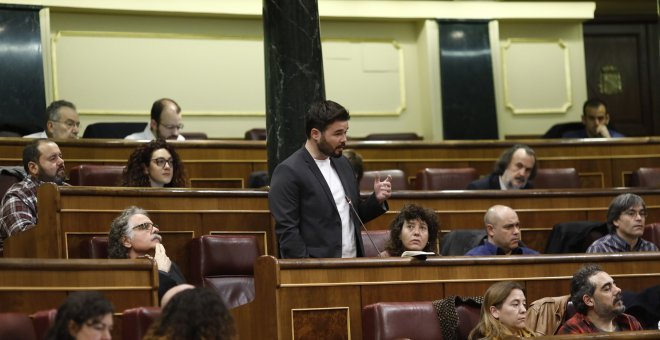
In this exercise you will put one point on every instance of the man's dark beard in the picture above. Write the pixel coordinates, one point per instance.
(57, 179)
(327, 150)
(604, 312)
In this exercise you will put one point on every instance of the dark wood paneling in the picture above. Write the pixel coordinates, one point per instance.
(628, 48)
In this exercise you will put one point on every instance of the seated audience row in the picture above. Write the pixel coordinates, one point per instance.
(415, 229)
(515, 169)
(190, 313)
(597, 300)
(63, 122)
(154, 164)
(157, 164)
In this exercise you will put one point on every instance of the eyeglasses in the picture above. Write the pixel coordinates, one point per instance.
(632, 213)
(146, 226)
(172, 127)
(162, 161)
(69, 123)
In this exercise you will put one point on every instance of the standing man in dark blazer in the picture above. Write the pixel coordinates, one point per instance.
(314, 197)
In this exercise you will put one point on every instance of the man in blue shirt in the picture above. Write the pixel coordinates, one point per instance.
(595, 119)
(503, 229)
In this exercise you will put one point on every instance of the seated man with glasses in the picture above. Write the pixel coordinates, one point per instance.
(166, 122)
(133, 235)
(625, 218)
(62, 121)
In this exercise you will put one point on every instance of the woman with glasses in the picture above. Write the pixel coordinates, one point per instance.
(155, 164)
(84, 315)
(503, 313)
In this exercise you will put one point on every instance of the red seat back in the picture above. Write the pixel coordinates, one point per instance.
(399, 180)
(225, 262)
(96, 175)
(652, 233)
(380, 238)
(42, 321)
(556, 178)
(645, 178)
(445, 179)
(400, 320)
(136, 321)
(94, 248)
(16, 326)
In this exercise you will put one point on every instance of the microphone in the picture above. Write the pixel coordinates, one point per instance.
(350, 204)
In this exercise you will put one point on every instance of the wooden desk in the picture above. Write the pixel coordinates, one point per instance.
(228, 164)
(295, 298)
(30, 285)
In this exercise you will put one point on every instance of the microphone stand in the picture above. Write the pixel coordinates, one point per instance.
(350, 204)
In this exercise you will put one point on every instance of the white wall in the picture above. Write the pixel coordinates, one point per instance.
(540, 93)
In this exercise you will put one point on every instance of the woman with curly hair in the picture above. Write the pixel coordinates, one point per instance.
(84, 315)
(155, 164)
(193, 314)
(414, 228)
(503, 313)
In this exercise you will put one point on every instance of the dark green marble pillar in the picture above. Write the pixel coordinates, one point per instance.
(294, 73)
(468, 91)
(22, 90)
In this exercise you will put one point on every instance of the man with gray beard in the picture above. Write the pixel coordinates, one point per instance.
(514, 170)
(599, 304)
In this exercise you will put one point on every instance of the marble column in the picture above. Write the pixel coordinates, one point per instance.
(294, 73)
(22, 89)
(468, 91)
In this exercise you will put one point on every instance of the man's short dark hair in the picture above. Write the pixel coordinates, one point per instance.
(31, 153)
(159, 105)
(53, 110)
(506, 156)
(581, 286)
(323, 113)
(593, 103)
(620, 204)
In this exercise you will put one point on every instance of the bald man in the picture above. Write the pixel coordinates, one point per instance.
(174, 291)
(504, 237)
